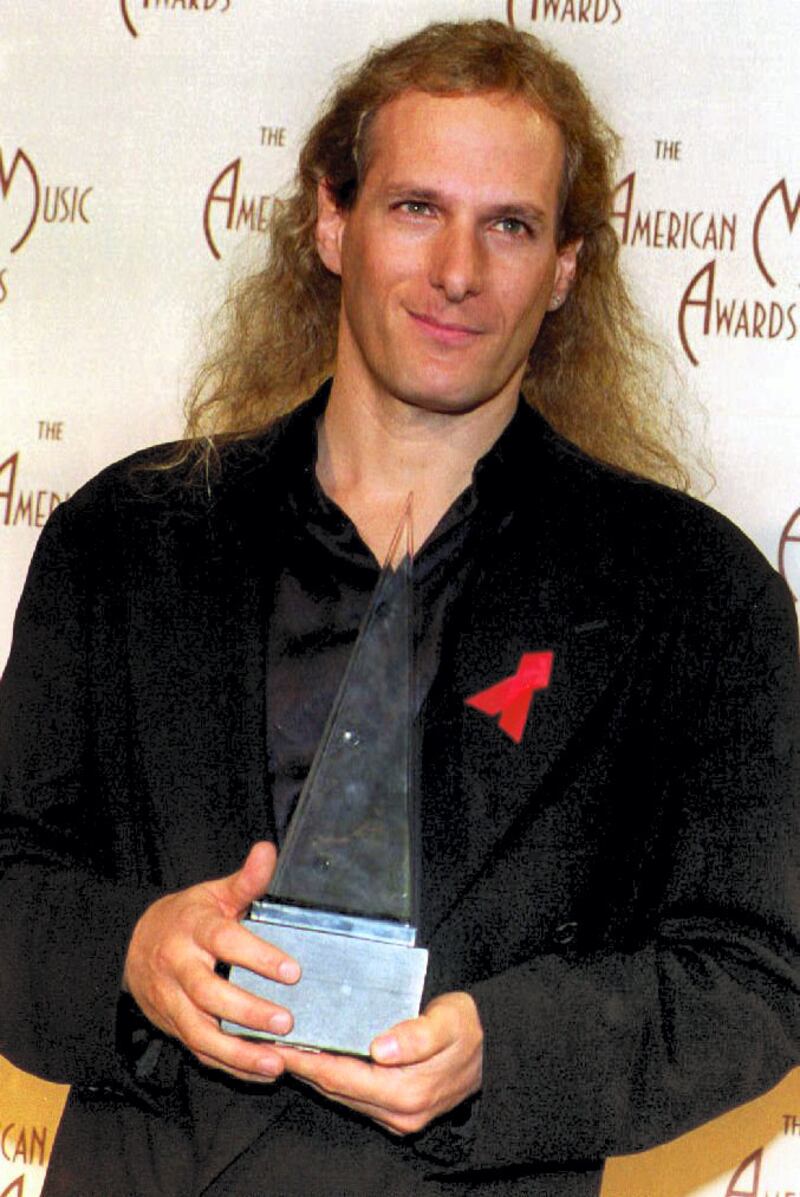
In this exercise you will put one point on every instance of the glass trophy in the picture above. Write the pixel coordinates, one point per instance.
(342, 898)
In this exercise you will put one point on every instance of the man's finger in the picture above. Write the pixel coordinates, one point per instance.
(336, 1076)
(249, 882)
(213, 995)
(226, 940)
(417, 1039)
(240, 1057)
(410, 1042)
(388, 1095)
(385, 1118)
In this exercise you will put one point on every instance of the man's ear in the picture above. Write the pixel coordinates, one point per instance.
(566, 269)
(331, 221)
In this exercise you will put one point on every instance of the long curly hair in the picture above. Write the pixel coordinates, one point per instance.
(594, 372)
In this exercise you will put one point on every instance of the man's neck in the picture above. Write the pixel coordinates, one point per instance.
(373, 453)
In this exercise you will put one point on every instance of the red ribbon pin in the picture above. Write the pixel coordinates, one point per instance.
(511, 699)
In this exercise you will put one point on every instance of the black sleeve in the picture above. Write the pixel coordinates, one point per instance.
(68, 913)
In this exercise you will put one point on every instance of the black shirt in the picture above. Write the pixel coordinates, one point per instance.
(323, 588)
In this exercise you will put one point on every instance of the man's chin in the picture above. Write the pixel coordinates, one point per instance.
(451, 400)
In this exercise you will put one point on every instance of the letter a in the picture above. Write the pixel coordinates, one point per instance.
(9, 464)
(625, 189)
(749, 1173)
(228, 200)
(705, 303)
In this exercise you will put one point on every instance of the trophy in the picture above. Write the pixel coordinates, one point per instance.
(342, 898)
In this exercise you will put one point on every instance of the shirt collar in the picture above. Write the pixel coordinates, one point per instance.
(489, 495)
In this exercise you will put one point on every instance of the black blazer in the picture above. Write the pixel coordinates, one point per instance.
(619, 891)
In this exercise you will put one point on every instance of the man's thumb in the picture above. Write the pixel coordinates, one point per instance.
(251, 880)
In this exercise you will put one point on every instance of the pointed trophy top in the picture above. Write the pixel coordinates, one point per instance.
(348, 848)
(401, 546)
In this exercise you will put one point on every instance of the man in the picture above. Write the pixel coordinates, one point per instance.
(608, 886)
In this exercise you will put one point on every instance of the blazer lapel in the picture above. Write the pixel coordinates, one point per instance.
(247, 530)
(196, 672)
(478, 782)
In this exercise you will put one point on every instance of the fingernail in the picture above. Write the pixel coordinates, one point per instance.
(289, 970)
(270, 1067)
(280, 1023)
(386, 1049)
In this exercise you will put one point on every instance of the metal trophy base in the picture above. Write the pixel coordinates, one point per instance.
(359, 977)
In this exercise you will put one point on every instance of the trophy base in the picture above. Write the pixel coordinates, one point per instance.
(359, 977)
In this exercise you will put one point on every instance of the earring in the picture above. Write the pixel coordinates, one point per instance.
(555, 302)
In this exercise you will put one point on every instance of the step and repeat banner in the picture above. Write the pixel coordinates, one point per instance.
(142, 144)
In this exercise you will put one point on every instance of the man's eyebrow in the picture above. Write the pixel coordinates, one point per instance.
(528, 212)
(413, 191)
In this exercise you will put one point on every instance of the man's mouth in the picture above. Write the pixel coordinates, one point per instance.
(446, 332)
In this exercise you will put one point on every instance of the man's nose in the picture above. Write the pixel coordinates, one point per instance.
(457, 262)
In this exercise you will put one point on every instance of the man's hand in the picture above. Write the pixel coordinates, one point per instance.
(170, 965)
(422, 1068)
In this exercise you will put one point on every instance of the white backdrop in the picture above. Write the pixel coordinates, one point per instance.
(141, 143)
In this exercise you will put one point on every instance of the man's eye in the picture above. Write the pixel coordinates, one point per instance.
(415, 207)
(514, 226)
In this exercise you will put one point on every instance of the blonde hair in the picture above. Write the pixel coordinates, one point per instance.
(594, 372)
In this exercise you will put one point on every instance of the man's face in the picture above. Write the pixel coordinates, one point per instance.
(448, 258)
